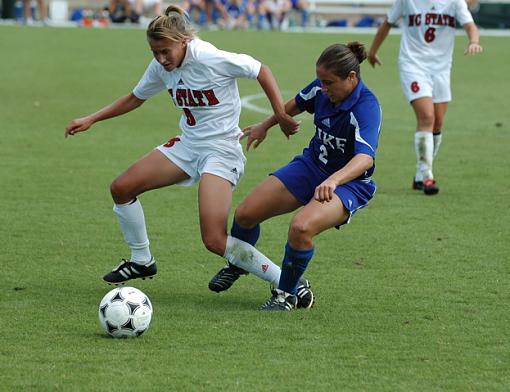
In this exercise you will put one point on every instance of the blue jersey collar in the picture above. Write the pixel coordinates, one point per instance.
(353, 98)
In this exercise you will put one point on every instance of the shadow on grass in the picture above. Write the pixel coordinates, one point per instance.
(210, 301)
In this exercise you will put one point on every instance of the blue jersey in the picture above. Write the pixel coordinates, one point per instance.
(341, 131)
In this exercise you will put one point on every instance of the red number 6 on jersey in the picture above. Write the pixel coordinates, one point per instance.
(430, 34)
(415, 87)
(190, 120)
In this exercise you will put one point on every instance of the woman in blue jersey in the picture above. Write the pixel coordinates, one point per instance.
(330, 180)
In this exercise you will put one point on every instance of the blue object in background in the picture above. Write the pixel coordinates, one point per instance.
(337, 23)
(366, 21)
(18, 10)
(77, 15)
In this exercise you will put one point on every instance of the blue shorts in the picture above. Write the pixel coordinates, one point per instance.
(301, 176)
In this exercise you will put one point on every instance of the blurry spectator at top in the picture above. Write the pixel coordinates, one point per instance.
(150, 8)
(42, 13)
(273, 13)
(212, 6)
(122, 11)
(240, 13)
(301, 7)
(195, 10)
(207, 12)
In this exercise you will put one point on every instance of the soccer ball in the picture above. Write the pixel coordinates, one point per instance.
(125, 312)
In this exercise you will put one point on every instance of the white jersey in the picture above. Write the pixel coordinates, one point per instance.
(428, 32)
(205, 88)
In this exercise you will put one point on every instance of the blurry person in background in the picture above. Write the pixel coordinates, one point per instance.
(121, 11)
(301, 7)
(195, 10)
(273, 13)
(221, 16)
(151, 7)
(42, 12)
(425, 62)
(240, 14)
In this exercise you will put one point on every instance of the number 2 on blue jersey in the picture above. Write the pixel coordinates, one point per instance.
(324, 154)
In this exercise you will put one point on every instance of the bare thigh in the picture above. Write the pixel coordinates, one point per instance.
(152, 171)
(270, 198)
(314, 218)
(424, 111)
(214, 202)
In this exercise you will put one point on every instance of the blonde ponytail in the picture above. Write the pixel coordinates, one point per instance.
(173, 25)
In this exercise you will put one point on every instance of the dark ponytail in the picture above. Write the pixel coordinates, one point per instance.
(342, 59)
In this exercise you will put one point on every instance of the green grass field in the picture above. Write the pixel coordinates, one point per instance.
(413, 295)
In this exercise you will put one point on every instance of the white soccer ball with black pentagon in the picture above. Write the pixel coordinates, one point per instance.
(125, 312)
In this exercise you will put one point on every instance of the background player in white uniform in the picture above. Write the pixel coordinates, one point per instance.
(201, 80)
(425, 59)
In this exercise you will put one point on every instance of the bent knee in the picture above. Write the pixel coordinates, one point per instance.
(245, 216)
(215, 243)
(300, 231)
(120, 191)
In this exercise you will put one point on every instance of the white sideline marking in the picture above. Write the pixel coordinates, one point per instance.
(246, 103)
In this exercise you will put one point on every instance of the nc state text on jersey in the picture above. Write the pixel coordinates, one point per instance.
(191, 98)
(432, 19)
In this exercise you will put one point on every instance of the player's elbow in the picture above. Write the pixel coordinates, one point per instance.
(134, 101)
(366, 161)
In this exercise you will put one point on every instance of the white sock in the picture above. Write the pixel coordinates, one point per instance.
(132, 225)
(438, 138)
(424, 147)
(247, 257)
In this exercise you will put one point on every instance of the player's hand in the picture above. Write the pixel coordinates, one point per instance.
(288, 125)
(325, 191)
(473, 48)
(78, 125)
(373, 59)
(255, 134)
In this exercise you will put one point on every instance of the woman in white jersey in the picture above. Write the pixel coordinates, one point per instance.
(201, 80)
(425, 59)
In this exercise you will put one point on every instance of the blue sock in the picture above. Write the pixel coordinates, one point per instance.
(250, 236)
(293, 267)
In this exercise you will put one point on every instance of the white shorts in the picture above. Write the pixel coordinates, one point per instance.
(222, 158)
(419, 84)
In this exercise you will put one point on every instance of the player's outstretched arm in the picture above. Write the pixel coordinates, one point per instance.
(120, 106)
(256, 133)
(474, 39)
(380, 36)
(288, 125)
